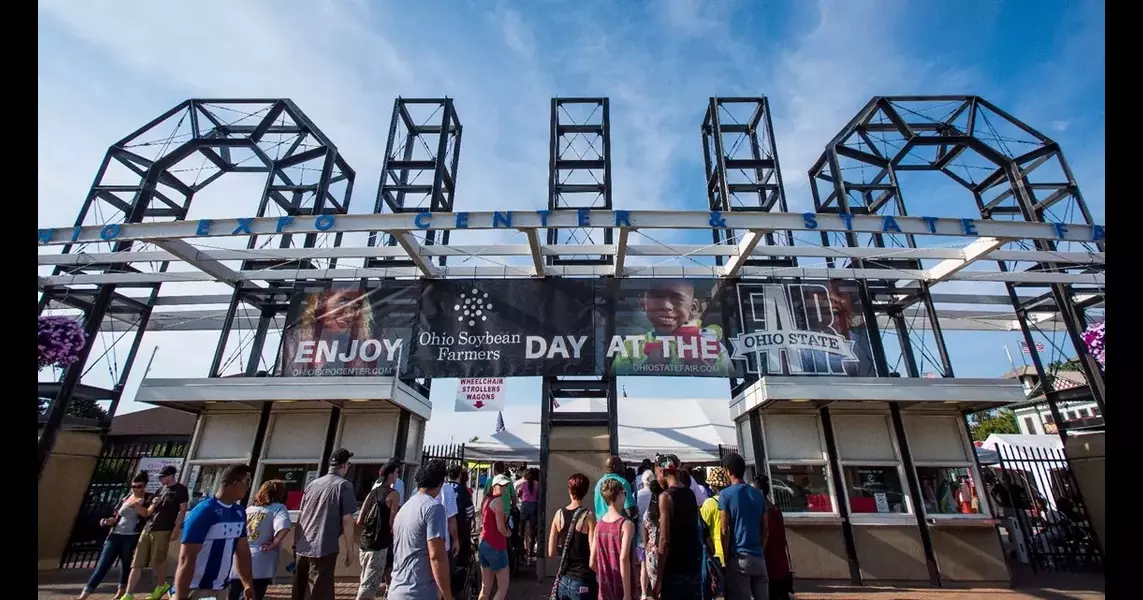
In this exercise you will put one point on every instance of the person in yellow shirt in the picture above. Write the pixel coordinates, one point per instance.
(717, 479)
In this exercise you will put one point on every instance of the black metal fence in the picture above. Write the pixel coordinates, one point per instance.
(1043, 511)
(110, 482)
(724, 450)
(452, 454)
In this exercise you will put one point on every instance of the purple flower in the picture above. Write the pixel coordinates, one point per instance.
(61, 339)
(1093, 338)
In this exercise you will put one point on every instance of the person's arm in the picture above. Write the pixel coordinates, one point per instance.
(451, 512)
(243, 565)
(393, 501)
(188, 554)
(348, 522)
(198, 523)
(554, 534)
(665, 508)
(282, 526)
(438, 557)
(591, 556)
(724, 529)
(183, 499)
(625, 552)
(765, 527)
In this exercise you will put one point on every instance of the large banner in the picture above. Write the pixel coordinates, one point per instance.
(805, 328)
(669, 327)
(504, 328)
(349, 331)
(545, 327)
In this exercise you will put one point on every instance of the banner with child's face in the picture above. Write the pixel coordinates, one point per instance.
(620, 327)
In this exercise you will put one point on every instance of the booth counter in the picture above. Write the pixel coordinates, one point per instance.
(287, 428)
(876, 477)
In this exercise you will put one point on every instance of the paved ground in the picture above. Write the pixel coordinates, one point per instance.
(65, 585)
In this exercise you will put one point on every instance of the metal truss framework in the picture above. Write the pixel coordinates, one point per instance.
(575, 185)
(418, 175)
(579, 175)
(148, 176)
(1027, 180)
(858, 174)
(743, 175)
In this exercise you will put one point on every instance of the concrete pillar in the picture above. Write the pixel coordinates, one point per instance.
(1086, 455)
(572, 449)
(63, 483)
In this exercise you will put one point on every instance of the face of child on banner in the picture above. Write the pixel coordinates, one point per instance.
(670, 305)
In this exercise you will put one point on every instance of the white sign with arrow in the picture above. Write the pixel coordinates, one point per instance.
(480, 394)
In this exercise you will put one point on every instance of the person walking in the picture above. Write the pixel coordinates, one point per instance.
(680, 549)
(120, 544)
(399, 486)
(165, 520)
(776, 550)
(267, 523)
(570, 539)
(326, 516)
(717, 480)
(649, 567)
(493, 549)
(530, 509)
(615, 470)
(420, 562)
(612, 552)
(744, 527)
(375, 521)
(214, 538)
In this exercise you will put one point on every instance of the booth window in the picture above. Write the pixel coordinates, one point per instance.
(871, 466)
(203, 481)
(362, 477)
(796, 457)
(296, 476)
(945, 470)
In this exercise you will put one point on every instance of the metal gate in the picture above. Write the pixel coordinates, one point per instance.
(452, 454)
(110, 482)
(1043, 511)
(724, 450)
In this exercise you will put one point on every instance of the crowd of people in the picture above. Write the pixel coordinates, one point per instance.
(666, 532)
(670, 532)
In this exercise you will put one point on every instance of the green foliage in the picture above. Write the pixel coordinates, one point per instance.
(1064, 365)
(997, 421)
(79, 407)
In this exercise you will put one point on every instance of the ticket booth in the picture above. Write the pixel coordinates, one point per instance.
(288, 427)
(876, 477)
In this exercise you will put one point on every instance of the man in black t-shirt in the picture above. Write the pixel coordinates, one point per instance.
(164, 523)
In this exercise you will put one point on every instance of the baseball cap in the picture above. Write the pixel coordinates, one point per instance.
(168, 470)
(390, 467)
(668, 462)
(501, 480)
(340, 457)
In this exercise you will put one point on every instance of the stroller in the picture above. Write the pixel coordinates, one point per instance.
(466, 576)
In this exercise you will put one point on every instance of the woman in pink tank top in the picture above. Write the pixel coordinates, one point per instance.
(612, 552)
(530, 508)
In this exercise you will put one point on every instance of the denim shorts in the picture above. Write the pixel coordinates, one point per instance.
(491, 558)
(529, 511)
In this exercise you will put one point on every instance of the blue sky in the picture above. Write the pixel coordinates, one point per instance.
(105, 68)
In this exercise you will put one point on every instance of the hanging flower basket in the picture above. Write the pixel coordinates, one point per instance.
(61, 340)
(1093, 338)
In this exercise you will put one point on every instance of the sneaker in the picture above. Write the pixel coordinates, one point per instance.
(127, 597)
(159, 592)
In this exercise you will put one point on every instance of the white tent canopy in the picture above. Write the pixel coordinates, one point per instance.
(693, 429)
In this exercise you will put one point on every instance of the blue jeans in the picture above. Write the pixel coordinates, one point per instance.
(574, 588)
(490, 558)
(117, 547)
(681, 587)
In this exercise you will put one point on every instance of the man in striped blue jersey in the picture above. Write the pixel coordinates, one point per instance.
(214, 534)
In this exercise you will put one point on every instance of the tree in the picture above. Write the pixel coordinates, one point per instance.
(79, 407)
(997, 421)
(1070, 364)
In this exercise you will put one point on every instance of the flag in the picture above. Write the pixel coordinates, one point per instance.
(624, 391)
(499, 421)
(1024, 347)
(555, 404)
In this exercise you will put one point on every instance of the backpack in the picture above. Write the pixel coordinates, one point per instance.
(375, 528)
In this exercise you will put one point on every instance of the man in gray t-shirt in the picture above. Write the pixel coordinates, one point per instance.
(420, 561)
(327, 514)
